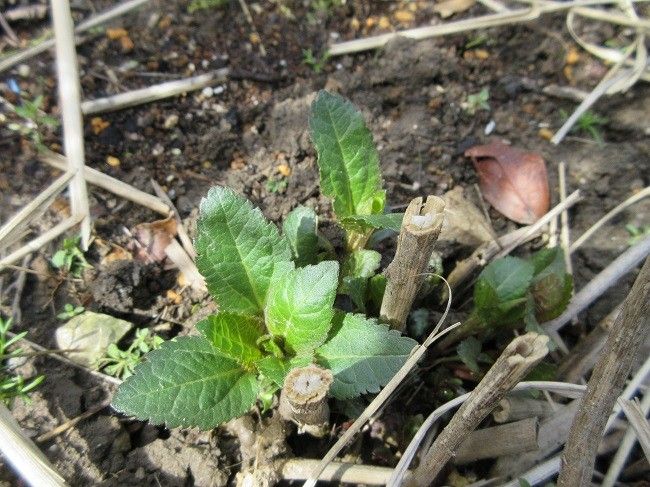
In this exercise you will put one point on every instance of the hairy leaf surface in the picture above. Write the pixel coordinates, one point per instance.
(362, 355)
(347, 157)
(276, 369)
(234, 335)
(237, 251)
(300, 229)
(186, 382)
(300, 304)
(360, 223)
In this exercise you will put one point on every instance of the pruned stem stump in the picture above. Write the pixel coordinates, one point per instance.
(303, 399)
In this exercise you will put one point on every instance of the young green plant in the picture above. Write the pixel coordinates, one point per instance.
(13, 385)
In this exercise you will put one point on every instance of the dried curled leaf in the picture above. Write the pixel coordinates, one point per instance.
(514, 181)
(151, 239)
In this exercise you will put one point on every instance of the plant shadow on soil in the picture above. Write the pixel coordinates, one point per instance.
(411, 94)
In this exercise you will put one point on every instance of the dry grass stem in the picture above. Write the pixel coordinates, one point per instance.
(153, 93)
(606, 383)
(644, 193)
(23, 455)
(619, 267)
(186, 265)
(69, 103)
(517, 359)
(62, 428)
(185, 239)
(10, 231)
(94, 21)
(565, 238)
(108, 183)
(300, 469)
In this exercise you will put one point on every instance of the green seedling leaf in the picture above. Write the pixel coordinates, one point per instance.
(361, 223)
(347, 158)
(233, 335)
(508, 278)
(376, 289)
(300, 304)
(187, 382)
(362, 355)
(277, 369)
(359, 266)
(552, 287)
(238, 249)
(469, 352)
(300, 229)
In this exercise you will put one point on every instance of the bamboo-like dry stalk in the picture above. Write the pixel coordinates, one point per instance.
(514, 408)
(10, 230)
(94, 21)
(108, 183)
(69, 104)
(518, 358)
(606, 383)
(153, 93)
(300, 469)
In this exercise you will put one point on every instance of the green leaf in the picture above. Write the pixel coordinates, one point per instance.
(360, 223)
(362, 355)
(277, 369)
(186, 382)
(468, 350)
(347, 158)
(507, 278)
(300, 304)
(552, 287)
(358, 267)
(376, 289)
(238, 249)
(300, 229)
(233, 335)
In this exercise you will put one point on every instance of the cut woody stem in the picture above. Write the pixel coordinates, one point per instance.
(303, 399)
(420, 229)
(519, 357)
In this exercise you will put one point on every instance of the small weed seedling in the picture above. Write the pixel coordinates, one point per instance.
(13, 386)
(637, 233)
(276, 294)
(588, 123)
(121, 363)
(315, 63)
(511, 292)
(69, 258)
(70, 311)
(35, 120)
(205, 4)
(477, 101)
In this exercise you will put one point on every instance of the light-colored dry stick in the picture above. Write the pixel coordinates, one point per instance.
(485, 21)
(619, 267)
(26, 12)
(67, 361)
(380, 399)
(418, 235)
(303, 399)
(606, 383)
(153, 93)
(514, 408)
(69, 102)
(644, 193)
(517, 359)
(350, 473)
(27, 214)
(24, 456)
(494, 5)
(504, 439)
(249, 19)
(584, 356)
(186, 241)
(565, 239)
(11, 35)
(539, 474)
(39, 241)
(553, 432)
(565, 92)
(638, 429)
(62, 428)
(108, 183)
(99, 19)
(185, 264)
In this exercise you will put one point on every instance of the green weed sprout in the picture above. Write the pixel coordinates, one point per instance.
(35, 119)
(70, 311)
(121, 363)
(69, 258)
(13, 386)
(315, 63)
(477, 101)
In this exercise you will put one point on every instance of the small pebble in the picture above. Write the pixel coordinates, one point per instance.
(176, 151)
(171, 121)
(219, 89)
(207, 91)
(24, 71)
(112, 161)
(157, 150)
(489, 128)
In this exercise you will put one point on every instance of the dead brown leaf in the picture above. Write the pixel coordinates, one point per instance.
(151, 240)
(447, 8)
(513, 181)
(464, 222)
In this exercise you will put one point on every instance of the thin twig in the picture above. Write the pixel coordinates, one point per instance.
(26, 12)
(636, 414)
(95, 21)
(619, 267)
(606, 383)
(644, 193)
(518, 358)
(565, 239)
(153, 93)
(11, 35)
(23, 455)
(72, 422)
(18, 291)
(301, 468)
(249, 19)
(69, 104)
